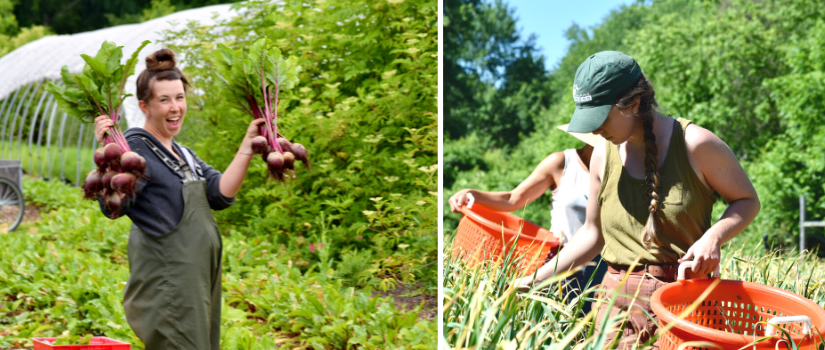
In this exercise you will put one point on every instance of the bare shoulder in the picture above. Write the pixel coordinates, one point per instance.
(597, 159)
(702, 142)
(553, 163)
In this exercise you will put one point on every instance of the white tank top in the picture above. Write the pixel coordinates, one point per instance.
(569, 202)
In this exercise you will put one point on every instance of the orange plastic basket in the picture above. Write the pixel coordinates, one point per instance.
(484, 234)
(730, 315)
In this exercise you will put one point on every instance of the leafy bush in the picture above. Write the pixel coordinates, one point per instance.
(365, 109)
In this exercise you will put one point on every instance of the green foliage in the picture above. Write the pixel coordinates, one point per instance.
(253, 80)
(365, 108)
(8, 23)
(355, 268)
(492, 78)
(82, 16)
(9, 43)
(159, 8)
(72, 340)
(98, 90)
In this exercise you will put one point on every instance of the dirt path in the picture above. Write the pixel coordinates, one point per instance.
(9, 214)
(428, 312)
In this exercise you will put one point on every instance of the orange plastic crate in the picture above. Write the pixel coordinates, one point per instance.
(731, 313)
(484, 234)
(96, 343)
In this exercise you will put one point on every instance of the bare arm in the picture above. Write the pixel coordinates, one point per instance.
(540, 180)
(719, 168)
(233, 176)
(588, 240)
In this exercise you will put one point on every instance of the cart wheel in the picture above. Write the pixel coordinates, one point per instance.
(12, 205)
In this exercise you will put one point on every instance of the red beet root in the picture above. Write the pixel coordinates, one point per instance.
(286, 146)
(289, 160)
(133, 163)
(92, 185)
(124, 183)
(106, 181)
(301, 153)
(113, 202)
(112, 153)
(259, 145)
(275, 160)
(100, 159)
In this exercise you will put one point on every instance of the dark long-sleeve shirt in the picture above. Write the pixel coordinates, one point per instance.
(157, 208)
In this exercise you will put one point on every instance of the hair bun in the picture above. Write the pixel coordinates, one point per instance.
(163, 59)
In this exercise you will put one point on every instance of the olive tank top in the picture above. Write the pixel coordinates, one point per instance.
(684, 208)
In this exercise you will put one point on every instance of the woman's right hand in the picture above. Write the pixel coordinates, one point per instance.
(459, 200)
(102, 125)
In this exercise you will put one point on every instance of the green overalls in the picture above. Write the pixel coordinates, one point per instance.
(173, 297)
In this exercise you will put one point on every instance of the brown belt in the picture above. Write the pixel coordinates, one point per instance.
(663, 271)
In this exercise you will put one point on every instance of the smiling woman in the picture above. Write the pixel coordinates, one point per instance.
(174, 243)
(164, 85)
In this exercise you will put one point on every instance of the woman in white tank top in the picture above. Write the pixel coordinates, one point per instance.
(566, 174)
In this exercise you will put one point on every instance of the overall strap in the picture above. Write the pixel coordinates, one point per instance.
(191, 161)
(182, 170)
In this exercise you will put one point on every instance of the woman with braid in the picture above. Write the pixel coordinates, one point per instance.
(651, 192)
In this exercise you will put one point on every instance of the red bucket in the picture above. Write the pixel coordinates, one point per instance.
(96, 343)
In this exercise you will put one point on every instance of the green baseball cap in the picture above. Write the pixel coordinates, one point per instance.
(598, 80)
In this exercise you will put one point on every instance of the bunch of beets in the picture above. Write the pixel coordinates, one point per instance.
(115, 178)
(252, 81)
(98, 90)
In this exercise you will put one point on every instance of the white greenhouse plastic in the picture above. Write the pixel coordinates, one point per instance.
(44, 58)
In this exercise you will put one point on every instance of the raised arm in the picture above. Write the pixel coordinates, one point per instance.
(540, 180)
(718, 167)
(233, 176)
(588, 241)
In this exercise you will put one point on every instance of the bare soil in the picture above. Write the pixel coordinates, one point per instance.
(428, 312)
(9, 214)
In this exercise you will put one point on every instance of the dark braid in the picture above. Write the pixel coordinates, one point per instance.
(643, 89)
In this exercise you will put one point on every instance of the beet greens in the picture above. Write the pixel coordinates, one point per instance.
(252, 81)
(98, 90)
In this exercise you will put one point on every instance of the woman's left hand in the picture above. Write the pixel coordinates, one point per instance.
(251, 132)
(705, 254)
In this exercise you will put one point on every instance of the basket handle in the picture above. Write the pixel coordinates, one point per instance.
(806, 328)
(686, 264)
(471, 201)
